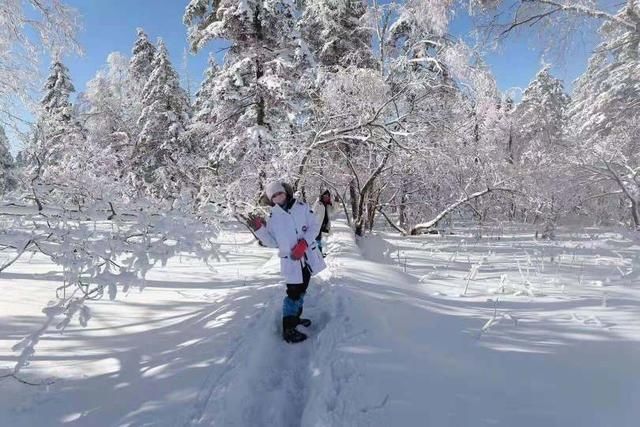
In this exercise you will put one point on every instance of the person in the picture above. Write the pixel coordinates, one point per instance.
(291, 228)
(323, 209)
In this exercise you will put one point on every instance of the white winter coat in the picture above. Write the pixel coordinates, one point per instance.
(283, 230)
(319, 210)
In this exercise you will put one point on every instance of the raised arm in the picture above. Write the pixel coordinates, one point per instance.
(266, 236)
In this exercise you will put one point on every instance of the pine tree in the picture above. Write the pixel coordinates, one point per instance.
(29, 28)
(204, 104)
(142, 56)
(541, 115)
(161, 153)
(205, 114)
(538, 150)
(7, 165)
(257, 96)
(335, 31)
(57, 89)
(59, 136)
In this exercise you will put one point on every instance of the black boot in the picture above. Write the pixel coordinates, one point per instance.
(289, 332)
(302, 321)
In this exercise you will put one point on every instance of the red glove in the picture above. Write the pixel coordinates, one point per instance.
(299, 249)
(256, 222)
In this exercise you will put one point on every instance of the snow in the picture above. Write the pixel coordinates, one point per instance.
(395, 340)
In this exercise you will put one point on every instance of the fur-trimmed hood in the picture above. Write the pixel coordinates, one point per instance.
(264, 200)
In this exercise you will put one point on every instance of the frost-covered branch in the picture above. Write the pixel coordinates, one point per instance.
(29, 29)
(422, 227)
(586, 11)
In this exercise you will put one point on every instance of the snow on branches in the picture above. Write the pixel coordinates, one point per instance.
(28, 29)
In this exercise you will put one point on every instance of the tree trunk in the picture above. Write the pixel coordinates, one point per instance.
(359, 217)
(634, 214)
(628, 194)
(260, 107)
(366, 190)
(353, 198)
(371, 210)
(402, 206)
(510, 154)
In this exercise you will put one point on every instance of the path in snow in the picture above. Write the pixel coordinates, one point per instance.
(266, 382)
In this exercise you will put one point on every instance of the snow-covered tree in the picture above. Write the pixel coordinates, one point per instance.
(419, 27)
(142, 56)
(396, 132)
(57, 90)
(337, 34)
(58, 137)
(161, 158)
(257, 93)
(28, 29)
(140, 69)
(7, 165)
(202, 128)
(454, 112)
(204, 103)
(112, 109)
(541, 115)
(601, 120)
(605, 113)
(538, 151)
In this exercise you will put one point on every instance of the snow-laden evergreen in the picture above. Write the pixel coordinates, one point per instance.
(537, 149)
(202, 127)
(258, 96)
(162, 159)
(28, 29)
(541, 114)
(142, 56)
(59, 136)
(57, 90)
(204, 104)
(336, 32)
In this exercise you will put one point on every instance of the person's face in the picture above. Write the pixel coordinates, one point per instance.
(326, 198)
(279, 198)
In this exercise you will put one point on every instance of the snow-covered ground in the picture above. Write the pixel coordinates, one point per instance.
(546, 334)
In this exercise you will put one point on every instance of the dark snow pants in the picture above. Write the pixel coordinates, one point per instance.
(292, 304)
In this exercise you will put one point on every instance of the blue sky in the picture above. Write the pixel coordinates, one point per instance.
(110, 25)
